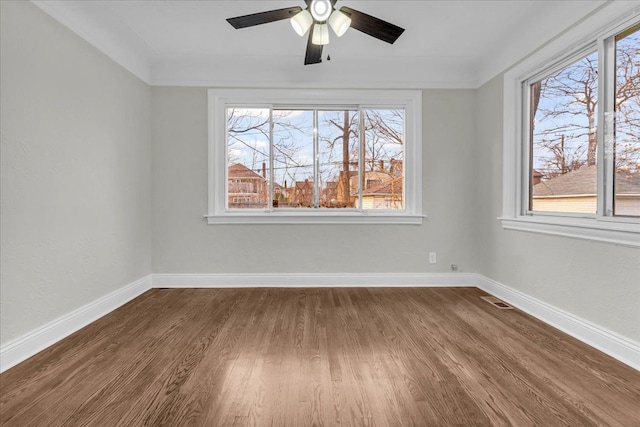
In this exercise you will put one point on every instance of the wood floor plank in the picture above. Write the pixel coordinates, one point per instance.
(155, 365)
(539, 364)
(85, 372)
(94, 341)
(339, 356)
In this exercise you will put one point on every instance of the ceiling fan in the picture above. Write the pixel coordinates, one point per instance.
(315, 18)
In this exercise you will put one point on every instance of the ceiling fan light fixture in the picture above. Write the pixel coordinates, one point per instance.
(321, 9)
(301, 22)
(339, 22)
(316, 18)
(320, 34)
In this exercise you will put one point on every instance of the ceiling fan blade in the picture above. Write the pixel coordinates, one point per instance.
(263, 17)
(373, 26)
(314, 51)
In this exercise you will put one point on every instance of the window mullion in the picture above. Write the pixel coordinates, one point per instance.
(606, 117)
(526, 153)
(270, 206)
(316, 174)
(361, 155)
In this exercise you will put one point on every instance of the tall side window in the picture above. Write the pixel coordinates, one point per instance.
(564, 175)
(349, 157)
(572, 133)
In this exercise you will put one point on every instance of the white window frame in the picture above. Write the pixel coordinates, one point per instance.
(410, 100)
(595, 30)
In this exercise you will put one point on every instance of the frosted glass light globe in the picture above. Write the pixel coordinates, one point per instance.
(320, 34)
(321, 9)
(339, 22)
(301, 22)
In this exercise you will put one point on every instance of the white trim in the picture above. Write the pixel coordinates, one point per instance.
(131, 59)
(232, 71)
(39, 339)
(410, 72)
(510, 51)
(618, 233)
(277, 217)
(620, 348)
(219, 99)
(608, 342)
(594, 28)
(302, 280)
(616, 346)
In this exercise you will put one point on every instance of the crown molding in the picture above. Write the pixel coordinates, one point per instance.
(512, 55)
(290, 72)
(124, 55)
(357, 72)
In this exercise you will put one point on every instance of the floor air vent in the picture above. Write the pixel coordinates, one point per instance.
(497, 303)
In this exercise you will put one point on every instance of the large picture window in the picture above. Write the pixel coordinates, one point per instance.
(349, 156)
(575, 137)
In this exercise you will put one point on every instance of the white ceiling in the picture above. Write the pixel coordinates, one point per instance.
(445, 43)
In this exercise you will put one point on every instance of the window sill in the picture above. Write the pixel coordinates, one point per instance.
(314, 218)
(622, 233)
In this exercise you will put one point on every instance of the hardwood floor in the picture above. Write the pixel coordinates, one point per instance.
(288, 357)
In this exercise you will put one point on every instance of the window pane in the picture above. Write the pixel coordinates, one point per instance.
(383, 178)
(563, 175)
(627, 124)
(337, 159)
(247, 158)
(293, 158)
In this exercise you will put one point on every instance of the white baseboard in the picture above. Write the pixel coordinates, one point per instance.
(313, 280)
(608, 342)
(26, 346)
(618, 347)
(596, 336)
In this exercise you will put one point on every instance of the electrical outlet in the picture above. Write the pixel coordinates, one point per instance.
(432, 257)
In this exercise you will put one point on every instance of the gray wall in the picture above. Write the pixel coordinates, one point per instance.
(75, 153)
(184, 243)
(79, 215)
(595, 281)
